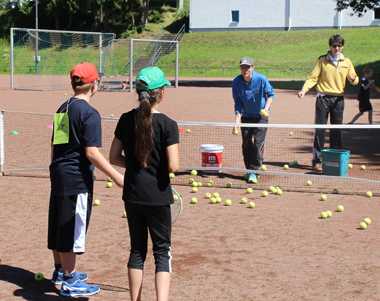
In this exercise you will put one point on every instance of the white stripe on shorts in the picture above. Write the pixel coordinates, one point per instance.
(80, 223)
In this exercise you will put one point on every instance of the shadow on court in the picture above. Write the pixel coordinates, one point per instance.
(30, 289)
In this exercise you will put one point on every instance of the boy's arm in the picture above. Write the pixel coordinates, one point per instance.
(96, 158)
(312, 79)
(116, 153)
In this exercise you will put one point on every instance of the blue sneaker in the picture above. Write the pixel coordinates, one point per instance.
(57, 277)
(252, 178)
(74, 287)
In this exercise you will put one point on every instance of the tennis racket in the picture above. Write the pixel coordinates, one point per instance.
(176, 206)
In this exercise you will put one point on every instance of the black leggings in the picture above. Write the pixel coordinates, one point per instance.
(156, 220)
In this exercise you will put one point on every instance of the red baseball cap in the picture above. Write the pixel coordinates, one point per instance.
(86, 72)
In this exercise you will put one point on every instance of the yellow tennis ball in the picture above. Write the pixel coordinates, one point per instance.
(194, 184)
(194, 200)
(216, 194)
(329, 213)
(249, 190)
(251, 205)
(264, 193)
(363, 167)
(171, 175)
(264, 113)
(279, 191)
(200, 184)
(263, 167)
(109, 184)
(367, 220)
(193, 172)
(218, 199)
(191, 180)
(324, 215)
(369, 194)
(194, 189)
(243, 200)
(350, 166)
(286, 166)
(208, 195)
(363, 225)
(323, 197)
(97, 202)
(272, 189)
(209, 184)
(227, 202)
(309, 183)
(188, 130)
(339, 208)
(213, 200)
(39, 276)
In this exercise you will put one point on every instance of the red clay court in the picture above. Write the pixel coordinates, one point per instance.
(281, 250)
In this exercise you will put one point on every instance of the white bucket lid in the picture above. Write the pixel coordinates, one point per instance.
(211, 148)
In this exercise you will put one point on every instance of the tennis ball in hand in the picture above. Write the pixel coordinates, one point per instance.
(251, 205)
(363, 225)
(235, 131)
(367, 220)
(109, 184)
(363, 167)
(369, 194)
(309, 183)
(350, 166)
(97, 202)
(243, 200)
(193, 172)
(194, 200)
(227, 202)
(264, 113)
(171, 175)
(339, 208)
(323, 197)
(39, 276)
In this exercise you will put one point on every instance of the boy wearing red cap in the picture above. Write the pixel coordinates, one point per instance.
(75, 142)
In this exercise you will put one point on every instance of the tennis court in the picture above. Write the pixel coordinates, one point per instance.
(280, 250)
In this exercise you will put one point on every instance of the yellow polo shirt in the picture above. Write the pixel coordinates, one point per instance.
(329, 78)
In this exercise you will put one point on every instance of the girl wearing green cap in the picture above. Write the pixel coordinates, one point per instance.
(146, 144)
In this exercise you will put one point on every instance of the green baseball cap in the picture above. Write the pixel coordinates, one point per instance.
(152, 78)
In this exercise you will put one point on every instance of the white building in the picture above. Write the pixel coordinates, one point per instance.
(218, 15)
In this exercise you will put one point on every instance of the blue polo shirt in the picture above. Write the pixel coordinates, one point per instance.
(250, 97)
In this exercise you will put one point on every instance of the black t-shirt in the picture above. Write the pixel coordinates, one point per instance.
(70, 170)
(364, 90)
(150, 185)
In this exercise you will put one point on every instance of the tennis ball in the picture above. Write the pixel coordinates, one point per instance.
(286, 166)
(39, 276)
(188, 130)
(227, 202)
(323, 197)
(263, 167)
(323, 215)
(193, 172)
(243, 200)
(171, 175)
(216, 194)
(329, 213)
(194, 189)
(213, 200)
(264, 193)
(209, 184)
(291, 133)
(218, 200)
(249, 190)
(97, 202)
(251, 205)
(279, 191)
(339, 208)
(363, 167)
(309, 183)
(191, 180)
(367, 220)
(363, 225)
(200, 184)
(369, 194)
(194, 200)
(194, 184)
(109, 185)
(264, 113)
(208, 195)
(272, 189)
(229, 185)
(350, 166)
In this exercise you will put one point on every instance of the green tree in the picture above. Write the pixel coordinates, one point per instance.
(358, 6)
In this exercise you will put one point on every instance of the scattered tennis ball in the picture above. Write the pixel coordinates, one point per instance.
(194, 184)
(216, 194)
(263, 167)
(249, 190)
(272, 189)
(109, 184)
(213, 200)
(291, 133)
(218, 200)
(200, 184)
(251, 205)
(264, 193)
(363, 167)
(194, 200)
(39, 276)
(208, 195)
(369, 194)
(191, 180)
(329, 213)
(279, 191)
(339, 208)
(193, 172)
(309, 183)
(96, 202)
(188, 130)
(244, 200)
(171, 175)
(350, 166)
(209, 184)
(286, 166)
(367, 220)
(227, 202)
(194, 189)
(323, 197)
(323, 215)
(363, 225)
(229, 185)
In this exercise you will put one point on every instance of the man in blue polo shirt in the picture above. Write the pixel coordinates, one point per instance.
(252, 95)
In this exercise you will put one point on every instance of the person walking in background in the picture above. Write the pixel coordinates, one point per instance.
(75, 142)
(253, 96)
(146, 145)
(329, 78)
(366, 83)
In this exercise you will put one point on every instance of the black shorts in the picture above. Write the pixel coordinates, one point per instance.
(69, 217)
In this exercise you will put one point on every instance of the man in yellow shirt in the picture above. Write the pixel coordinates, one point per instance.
(329, 78)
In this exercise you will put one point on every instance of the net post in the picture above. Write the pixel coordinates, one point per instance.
(131, 65)
(176, 63)
(100, 53)
(2, 152)
(11, 61)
